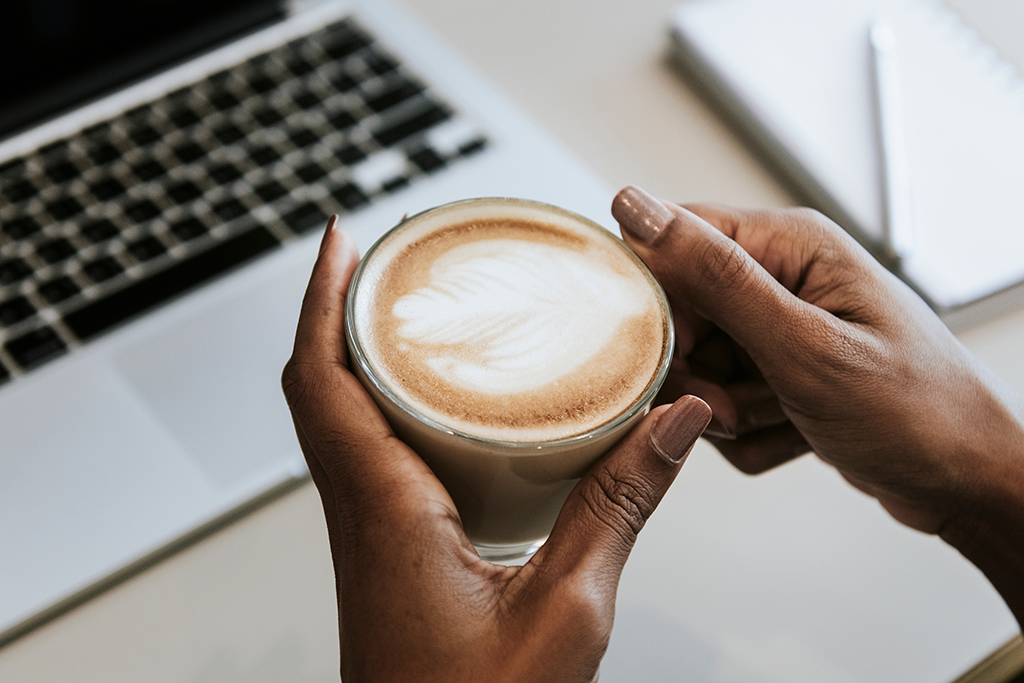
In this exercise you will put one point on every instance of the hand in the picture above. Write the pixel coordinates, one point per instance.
(415, 601)
(799, 340)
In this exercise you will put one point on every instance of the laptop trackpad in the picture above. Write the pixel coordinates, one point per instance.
(214, 380)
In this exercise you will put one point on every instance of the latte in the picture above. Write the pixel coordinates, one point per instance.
(512, 327)
(510, 344)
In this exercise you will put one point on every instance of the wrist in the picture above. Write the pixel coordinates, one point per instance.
(989, 529)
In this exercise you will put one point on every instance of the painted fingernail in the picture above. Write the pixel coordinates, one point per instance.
(327, 231)
(675, 432)
(641, 216)
(718, 429)
(767, 413)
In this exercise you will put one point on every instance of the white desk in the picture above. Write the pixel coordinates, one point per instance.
(255, 602)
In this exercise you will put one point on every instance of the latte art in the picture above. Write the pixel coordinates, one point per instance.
(521, 328)
(504, 316)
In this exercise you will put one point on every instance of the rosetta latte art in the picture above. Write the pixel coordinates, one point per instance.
(504, 316)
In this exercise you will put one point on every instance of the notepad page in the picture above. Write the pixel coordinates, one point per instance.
(802, 68)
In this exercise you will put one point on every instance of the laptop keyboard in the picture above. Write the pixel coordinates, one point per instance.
(102, 226)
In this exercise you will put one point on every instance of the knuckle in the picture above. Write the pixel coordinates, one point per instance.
(622, 502)
(722, 266)
(298, 380)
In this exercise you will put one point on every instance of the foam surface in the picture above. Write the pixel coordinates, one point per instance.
(512, 329)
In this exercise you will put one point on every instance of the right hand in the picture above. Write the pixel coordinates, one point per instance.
(799, 340)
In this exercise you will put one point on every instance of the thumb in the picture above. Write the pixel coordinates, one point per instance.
(699, 265)
(604, 513)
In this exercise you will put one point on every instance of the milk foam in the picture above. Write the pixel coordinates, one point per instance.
(504, 316)
(524, 328)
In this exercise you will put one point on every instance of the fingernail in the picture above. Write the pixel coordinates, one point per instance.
(718, 429)
(675, 432)
(327, 231)
(642, 216)
(767, 413)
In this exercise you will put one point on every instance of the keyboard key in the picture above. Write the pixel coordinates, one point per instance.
(101, 315)
(189, 152)
(427, 160)
(62, 172)
(56, 250)
(380, 64)
(310, 172)
(264, 155)
(142, 211)
(35, 347)
(346, 44)
(472, 147)
(21, 191)
(307, 99)
(229, 133)
(343, 120)
(305, 217)
(223, 101)
(139, 113)
(225, 173)
(270, 191)
(189, 229)
(102, 269)
(12, 167)
(13, 270)
(107, 189)
(59, 147)
(395, 184)
(261, 85)
(147, 248)
(268, 117)
(59, 289)
(98, 131)
(411, 125)
(303, 137)
(99, 231)
(395, 94)
(20, 228)
(104, 153)
(350, 196)
(350, 154)
(15, 310)
(344, 83)
(184, 118)
(300, 67)
(230, 209)
(148, 170)
(144, 135)
(184, 191)
(64, 208)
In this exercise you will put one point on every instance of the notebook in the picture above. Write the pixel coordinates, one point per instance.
(796, 76)
(155, 242)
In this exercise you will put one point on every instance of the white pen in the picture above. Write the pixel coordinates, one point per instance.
(897, 188)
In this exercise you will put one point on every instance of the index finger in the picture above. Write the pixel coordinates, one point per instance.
(318, 337)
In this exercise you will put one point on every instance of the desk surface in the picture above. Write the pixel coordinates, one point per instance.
(255, 602)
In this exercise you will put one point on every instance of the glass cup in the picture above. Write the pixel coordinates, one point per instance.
(508, 492)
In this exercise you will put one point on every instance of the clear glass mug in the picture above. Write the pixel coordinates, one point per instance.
(508, 493)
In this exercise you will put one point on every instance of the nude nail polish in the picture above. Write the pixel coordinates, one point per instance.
(675, 432)
(641, 216)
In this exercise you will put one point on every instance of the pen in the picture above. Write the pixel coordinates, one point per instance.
(897, 188)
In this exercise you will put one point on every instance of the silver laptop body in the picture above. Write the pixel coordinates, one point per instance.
(146, 415)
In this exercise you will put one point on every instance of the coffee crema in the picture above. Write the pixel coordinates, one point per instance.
(522, 328)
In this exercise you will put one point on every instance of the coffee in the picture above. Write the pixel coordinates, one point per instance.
(507, 340)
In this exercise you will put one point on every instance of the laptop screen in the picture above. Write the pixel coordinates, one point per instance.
(57, 53)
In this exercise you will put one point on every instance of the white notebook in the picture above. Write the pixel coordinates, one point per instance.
(796, 74)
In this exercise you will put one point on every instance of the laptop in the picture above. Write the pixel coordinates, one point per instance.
(164, 177)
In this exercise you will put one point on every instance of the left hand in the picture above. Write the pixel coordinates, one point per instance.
(415, 601)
